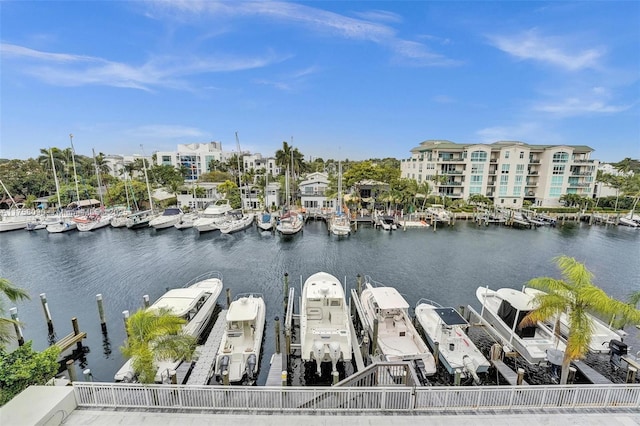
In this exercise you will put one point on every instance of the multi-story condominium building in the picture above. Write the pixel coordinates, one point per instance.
(196, 157)
(116, 164)
(257, 162)
(507, 172)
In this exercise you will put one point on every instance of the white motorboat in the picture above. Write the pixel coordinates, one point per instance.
(601, 333)
(626, 221)
(186, 221)
(93, 222)
(290, 223)
(167, 219)
(504, 309)
(325, 335)
(41, 222)
(447, 328)
(265, 221)
(195, 303)
(398, 340)
(340, 225)
(14, 223)
(239, 352)
(213, 214)
(237, 223)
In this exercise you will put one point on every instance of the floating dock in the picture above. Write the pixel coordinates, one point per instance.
(590, 374)
(204, 368)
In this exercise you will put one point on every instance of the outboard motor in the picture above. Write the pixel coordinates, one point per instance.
(555, 357)
(318, 354)
(224, 364)
(616, 350)
(421, 371)
(334, 353)
(251, 366)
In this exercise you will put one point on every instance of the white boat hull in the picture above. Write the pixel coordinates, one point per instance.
(63, 226)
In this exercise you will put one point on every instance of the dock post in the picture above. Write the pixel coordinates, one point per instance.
(277, 324)
(359, 282)
(336, 377)
(173, 377)
(145, 301)
(76, 331)
(287, 341)
(16, 326)
(631, 374)
(520, 376)
(71, 369)
(364, 349)
(434, 222)
(436, 352)
(88, 377)
(495, 352)
(374, 343)
(228, 298)
(461, 309)
(225, 377)
(283, 377)
(286, 289)
(47, 312)
(103, 322)
(572, 375)
(125, 317)
(457, 376)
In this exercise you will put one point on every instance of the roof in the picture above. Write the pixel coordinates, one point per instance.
(516, 298)
(388, 298)
(445, 144)
(179, 300)
(244, 309)
(322, 284)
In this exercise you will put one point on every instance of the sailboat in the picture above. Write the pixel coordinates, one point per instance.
(65, 223)
(339, 223)
(141, 219)
(264, 220)
(95, 220)
(290, 221)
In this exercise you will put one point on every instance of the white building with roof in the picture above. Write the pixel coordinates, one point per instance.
(508, 172)
(196, 157)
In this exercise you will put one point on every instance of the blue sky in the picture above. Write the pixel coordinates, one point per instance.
(341, 79)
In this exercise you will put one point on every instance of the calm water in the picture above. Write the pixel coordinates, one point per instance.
(446, 266)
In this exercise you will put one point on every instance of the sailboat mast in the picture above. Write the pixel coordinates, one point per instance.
(55, 177)
(75, 174)
(339, 187)
(9, 194)
(146, 178)
(99, 180)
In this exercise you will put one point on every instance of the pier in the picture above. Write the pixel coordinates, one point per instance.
(205, 366)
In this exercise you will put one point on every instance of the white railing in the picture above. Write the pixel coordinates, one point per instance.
(356, 399)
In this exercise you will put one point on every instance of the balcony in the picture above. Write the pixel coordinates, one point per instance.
(452, 172)
(531, 184)
(584, 161)
(534, 173)
(579, 185)
(451, 160)
(534, 161)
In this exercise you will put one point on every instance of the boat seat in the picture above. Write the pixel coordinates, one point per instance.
(314, 313)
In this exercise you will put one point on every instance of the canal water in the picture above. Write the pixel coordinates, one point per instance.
(446, 266)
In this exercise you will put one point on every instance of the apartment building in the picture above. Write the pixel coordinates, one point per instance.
(196, 157)
(508, 172)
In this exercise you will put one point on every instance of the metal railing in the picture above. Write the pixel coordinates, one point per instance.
(355, 399)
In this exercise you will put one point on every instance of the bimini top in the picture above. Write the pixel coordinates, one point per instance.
(388, 298)
(517, 299)
(244, 309)
(322, 284)
(180, 300)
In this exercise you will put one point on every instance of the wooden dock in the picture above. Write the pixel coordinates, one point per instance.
(204, 368)
(506, 372)
(590, 374)
(73, 338)
(274, 378)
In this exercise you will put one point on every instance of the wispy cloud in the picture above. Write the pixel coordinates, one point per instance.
(289, 82)
(556, 51)
(529, 132)
(164, 131)
(319, 20)
(597, 100)
(158, 71)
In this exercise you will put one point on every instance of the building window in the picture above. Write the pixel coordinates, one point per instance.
(477, 169)
(558, 170)
(505, 168)
(555, 192)
(478, 156)
(517, 190)
(477, 179)
(521, 154)
(560, 157)
(518, 180)
(503, 190)
(519, 169)
(504, 179)
(506, 154)
(475, 190)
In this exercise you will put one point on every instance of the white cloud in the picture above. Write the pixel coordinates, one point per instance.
(530, 45)
(158, 71)
(597, 100)
(528, 132)
(316, 19)
(165, 131)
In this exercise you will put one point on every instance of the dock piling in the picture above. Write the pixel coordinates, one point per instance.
(436, 352)
(520, 376)
(457, 376)
(103, 322)
(277, 332)
(228, 298)
(359, 282)
(88, 377)
(286, 288)
(374, 343)
(125, 317)
(283, 376)
(145, 301)
(76, 331)
(16, 326)
(71, 370)
(47, 312)
(336, 377)
(225, 377)
(631, 374)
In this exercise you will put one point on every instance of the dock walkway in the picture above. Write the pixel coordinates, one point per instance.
(590, 374)
(205, 365)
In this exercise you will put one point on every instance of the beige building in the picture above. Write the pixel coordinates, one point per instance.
(508, 172)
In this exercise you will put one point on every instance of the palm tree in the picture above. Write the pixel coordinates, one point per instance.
(155, 335)
(14, 294)
(576, 296)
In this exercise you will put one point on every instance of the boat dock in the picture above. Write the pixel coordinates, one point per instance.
(204, 368)
(590, 374)
(506, 372)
